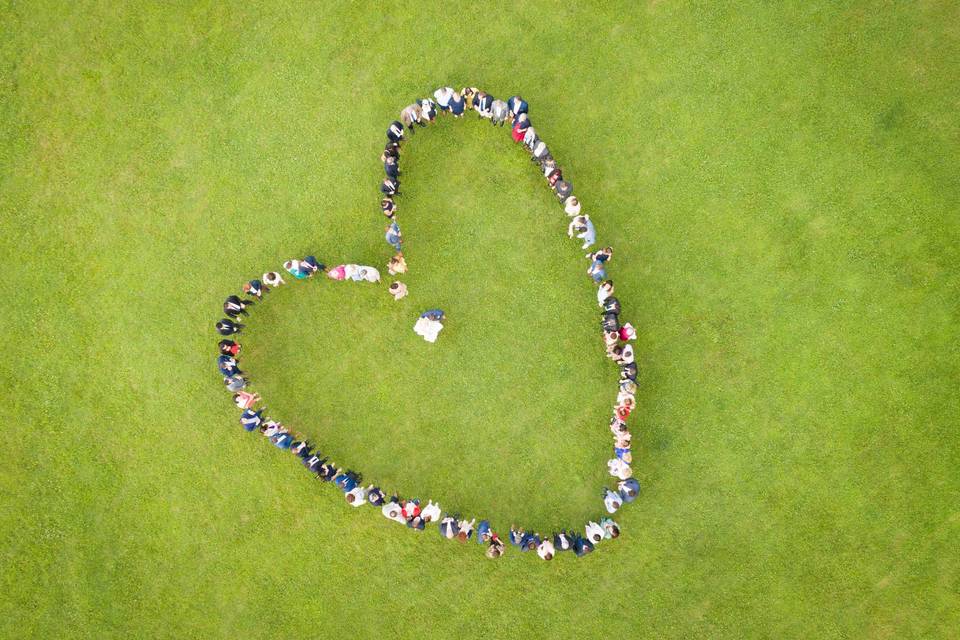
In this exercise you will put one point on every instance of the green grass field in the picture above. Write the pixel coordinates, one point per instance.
(779, 181)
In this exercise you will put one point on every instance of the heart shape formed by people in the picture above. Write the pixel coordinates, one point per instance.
(616, 337)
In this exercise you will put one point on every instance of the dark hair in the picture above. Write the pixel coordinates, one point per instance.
(614, 531)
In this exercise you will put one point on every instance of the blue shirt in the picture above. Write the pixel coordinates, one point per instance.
(590, 235)
(630, 484)
(345, 482)
(482, 529)
(432, 314)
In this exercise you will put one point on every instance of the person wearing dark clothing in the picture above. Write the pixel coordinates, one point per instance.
(254, 288)
(483, 104)
(227, 327)
(229, 347)
(314, 462)
(390, 187)
(347, 480)
(529, 542)
(610, 322)
(582, 546)
(391, 167)
(395, 131)
(517, 105)
(311, 266)
(611, 305)
(302, 449)
(458, 105)
(392, 149)
(327, 472)
(389, 207)
(563, 189)
(251, 420)
(629, 489)
(233, 306)
(228, 365)
(375, 496)
(417, 523)
(562, 541)
(436, 315)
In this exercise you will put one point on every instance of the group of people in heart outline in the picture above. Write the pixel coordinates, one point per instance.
(616, 335)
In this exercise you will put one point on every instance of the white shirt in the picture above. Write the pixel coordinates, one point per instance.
(619, 469)
(603, 294)
(443, 96)
(392, 511)
(627, 356)
(272, 429)
(369, 274)
(571, 208)
(530, 136)
(546, 547)
(427, 328)
(593, 530)
(359, 496)
(272, 279)
(466, 526)
(612, 502)
(432, 510)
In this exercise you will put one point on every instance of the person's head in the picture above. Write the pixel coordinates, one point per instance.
(608, 251)
(351, 497)
(572, 201)
(614, 530)
(394, 287)
(531, 545)
(607, 286)
(494, 551)
(548, 556)
(595, 538)
(462, 536)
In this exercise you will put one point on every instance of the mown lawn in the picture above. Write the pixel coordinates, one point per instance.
(779, 182)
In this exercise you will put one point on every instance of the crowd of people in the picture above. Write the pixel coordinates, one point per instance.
(616, 334)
